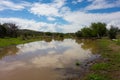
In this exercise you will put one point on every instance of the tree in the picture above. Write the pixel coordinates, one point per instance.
(2, 31)
(98, 29)
(112, 32)
(8, 30)
(11, 29)
(78, 34)
(48, 33)
(95, 30)
(86, 32)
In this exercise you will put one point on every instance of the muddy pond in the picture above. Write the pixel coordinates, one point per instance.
(41, 60)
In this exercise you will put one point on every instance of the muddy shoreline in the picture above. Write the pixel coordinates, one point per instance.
(79, 72)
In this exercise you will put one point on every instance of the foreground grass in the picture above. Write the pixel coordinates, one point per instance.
(14, 41)
(107, 68)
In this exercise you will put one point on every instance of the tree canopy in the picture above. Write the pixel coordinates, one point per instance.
(97, 30)
(112, 32)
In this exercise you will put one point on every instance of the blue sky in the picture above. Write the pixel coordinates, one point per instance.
(59, 15)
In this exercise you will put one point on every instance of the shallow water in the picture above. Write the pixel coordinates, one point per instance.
(41, 60)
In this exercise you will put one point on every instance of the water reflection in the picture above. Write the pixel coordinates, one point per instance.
(88, 44)
(48, 39)
(48, 54)
(44, 55)
(11, 50)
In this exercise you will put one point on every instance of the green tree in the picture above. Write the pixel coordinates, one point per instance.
(78, 34)
(2, 31)
(48, 33)
(86, 32)
(11, 29)
(98, 29)
(112, 32)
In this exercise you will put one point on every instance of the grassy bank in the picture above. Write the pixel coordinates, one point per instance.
(4, 42)
(108, 67)
(14, 41)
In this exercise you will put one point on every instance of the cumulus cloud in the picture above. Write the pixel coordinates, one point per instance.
(7, 4)
(76, 20)
(49, 9)
(82, 19)
(102, 4)
(44, 10)
(31, 24)
(57, 8)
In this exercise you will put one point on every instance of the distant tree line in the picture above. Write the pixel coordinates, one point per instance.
(12, 30)
(97, 30)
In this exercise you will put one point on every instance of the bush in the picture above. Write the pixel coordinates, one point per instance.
(112, 32)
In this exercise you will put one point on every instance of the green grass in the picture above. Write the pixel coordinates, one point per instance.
(96, 77)
(9, 41)
(109, 64)
(100, 66)
(118, 42)
(14, 41)
(104, 42)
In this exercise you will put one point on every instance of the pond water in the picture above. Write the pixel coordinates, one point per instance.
(43, 60)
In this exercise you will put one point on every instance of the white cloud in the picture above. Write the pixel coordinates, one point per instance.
(76, 1)
(49, 9)
(102, 4)
(31, 24)
(64, 10)
(51, 19)
(77, 19)
(81, 19)
(23, 23)
(70, 28)
(44, 10)
(59, 3)
(7, 4)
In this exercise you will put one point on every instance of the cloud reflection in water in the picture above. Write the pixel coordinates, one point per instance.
(54, 54)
